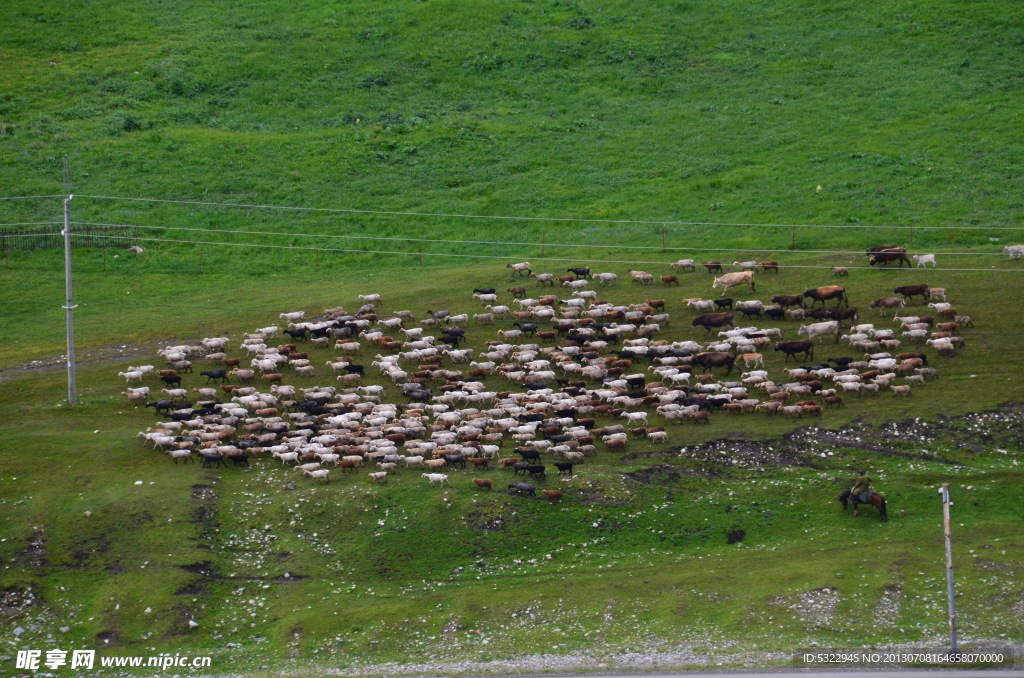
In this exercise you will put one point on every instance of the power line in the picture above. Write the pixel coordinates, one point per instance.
(499, 242)
(485, 256)
(550, 219)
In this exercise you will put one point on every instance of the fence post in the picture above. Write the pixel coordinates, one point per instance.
(317, 260)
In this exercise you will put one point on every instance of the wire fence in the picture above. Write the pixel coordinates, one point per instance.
(41, 236)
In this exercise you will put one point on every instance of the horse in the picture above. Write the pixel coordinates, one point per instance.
(876, 500)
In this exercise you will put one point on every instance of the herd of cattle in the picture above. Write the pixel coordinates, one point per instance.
(564, 375)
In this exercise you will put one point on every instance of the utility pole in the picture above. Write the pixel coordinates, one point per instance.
(950, 593)
(69, 307)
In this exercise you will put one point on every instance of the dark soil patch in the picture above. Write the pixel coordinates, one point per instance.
(204, 568)
(205, 514)
(35, 553)
(480, 521)
(735, 535)
(14, 600)
(108, 637)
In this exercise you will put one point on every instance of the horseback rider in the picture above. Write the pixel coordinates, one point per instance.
(862, 489)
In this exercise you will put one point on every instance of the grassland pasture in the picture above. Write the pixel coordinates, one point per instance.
(291, 156)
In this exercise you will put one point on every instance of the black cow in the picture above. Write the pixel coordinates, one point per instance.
(537, 471)
(564, 467)
(791, 348)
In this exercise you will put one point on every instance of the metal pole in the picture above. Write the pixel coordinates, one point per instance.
(950, 593)
(70, 305)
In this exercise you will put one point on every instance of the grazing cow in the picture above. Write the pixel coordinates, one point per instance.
(887, 303)
(826, 293)
(787, 300)
(769, 266)
(884, 258)
(712, 321)
(791, 348)
(820, 329)
(730, 280)
(911, 291)
(711, 359)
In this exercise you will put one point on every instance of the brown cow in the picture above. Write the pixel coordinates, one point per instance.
(713, 266)
(910, 291)
(884, 258)
(712, 321)
(769, 266)
(826, 293)
(483, 482)
(670, 280)
(887, 303)
(711, 359)
(554, 496)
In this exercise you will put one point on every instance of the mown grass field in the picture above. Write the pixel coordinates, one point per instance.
(864, 119)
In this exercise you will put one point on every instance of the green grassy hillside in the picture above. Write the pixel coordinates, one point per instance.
(728, 541)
